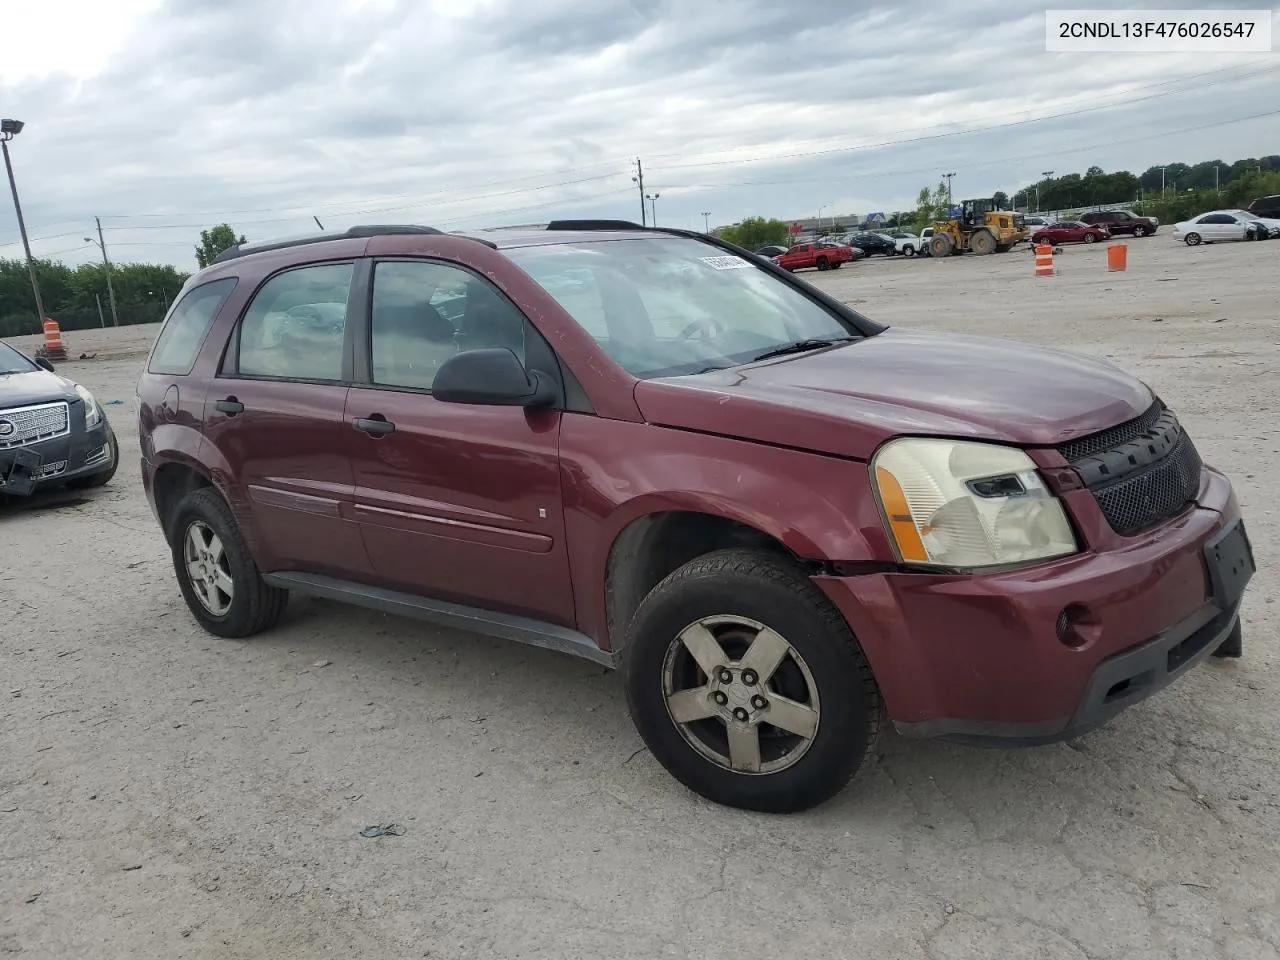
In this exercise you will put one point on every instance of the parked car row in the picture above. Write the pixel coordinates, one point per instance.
(1226, 225)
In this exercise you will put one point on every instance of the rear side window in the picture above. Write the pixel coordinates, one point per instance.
(179, 342)
(295, 325)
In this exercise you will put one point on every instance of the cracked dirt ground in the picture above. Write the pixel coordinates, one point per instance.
(166, 794)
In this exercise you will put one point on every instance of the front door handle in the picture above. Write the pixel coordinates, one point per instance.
(230, 406)
(375, 426)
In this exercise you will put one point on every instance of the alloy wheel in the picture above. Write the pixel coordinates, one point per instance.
(740, 695)
(207, 568)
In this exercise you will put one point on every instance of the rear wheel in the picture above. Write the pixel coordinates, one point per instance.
(908, 251)
(982, 242)
(220, 581)
(747, 685)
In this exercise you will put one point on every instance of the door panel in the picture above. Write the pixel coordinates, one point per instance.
(462, 502)
(288, 447)
(276, 416)
(458, 502)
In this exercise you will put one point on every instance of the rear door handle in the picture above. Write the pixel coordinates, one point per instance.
(230, 406)
(375, 426)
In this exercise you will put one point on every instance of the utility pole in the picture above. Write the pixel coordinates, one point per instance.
(1046, 174)
(638, 179)
(102, 321)
(7, 132)
(1162, 182)
(111, 290)
(706, 221)
(1215, 178)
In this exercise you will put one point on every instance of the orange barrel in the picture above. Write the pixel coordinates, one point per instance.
(1044, 260)
(1117, 257)
(53, 346)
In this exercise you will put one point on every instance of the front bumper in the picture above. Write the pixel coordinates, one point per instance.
(979, 658)
(47, 463)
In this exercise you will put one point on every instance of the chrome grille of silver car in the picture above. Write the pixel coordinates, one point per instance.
(22, 425)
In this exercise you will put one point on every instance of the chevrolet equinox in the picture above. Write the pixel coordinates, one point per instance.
(784, 522)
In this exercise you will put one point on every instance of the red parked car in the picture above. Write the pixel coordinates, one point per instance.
(819, 254)
(1070, 231)
(649, 448)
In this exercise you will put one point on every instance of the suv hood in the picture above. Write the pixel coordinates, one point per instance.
(38, 386)
(848, 400)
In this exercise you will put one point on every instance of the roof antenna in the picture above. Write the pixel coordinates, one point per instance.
(317, 220)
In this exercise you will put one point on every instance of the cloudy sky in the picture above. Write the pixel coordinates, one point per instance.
(166, 116)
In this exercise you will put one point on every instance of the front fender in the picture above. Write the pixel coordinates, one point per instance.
(818, 507)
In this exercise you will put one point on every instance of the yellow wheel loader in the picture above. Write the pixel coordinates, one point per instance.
(980, 228)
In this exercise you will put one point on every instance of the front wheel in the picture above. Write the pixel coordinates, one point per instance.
(823, 264)
(1090, 238)
(747, 685)
(1139, 231)
(218, 577)
(1192, 239)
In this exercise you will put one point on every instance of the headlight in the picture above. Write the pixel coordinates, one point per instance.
(92, 412)
(953, 503)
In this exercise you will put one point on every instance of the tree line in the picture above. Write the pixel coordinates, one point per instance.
(78, 297)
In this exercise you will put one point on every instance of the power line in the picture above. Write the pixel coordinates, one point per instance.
(924, 138)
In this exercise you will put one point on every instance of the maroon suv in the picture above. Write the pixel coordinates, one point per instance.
(651, 449)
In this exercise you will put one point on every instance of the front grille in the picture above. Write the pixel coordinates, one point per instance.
(1161, 491)
(1112, 437)
(30, 424)
(1141, 473)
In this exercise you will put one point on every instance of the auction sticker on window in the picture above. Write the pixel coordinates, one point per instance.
(1158, 31)
(725, 263)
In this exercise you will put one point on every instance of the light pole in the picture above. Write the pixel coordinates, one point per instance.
(947, 177)
(106, 262)
(638, 180)
(653, 206)
(706, 221)
(1162, 183)
(1215, 178)
(8, 130)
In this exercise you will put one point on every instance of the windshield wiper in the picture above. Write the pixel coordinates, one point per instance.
(803, 346)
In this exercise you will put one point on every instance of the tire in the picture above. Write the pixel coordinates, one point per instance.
(1192, 239)
(102, 477)
(940, 245)
(823, 264)
(252, 606)
(1090, 238)
(735, 593)
(982, 242)
(837, 265)
(908, 251)
(1233, 647)
(1139, 231)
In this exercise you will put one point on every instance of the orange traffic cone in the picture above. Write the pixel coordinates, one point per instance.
(53, 347)
(1044, 260)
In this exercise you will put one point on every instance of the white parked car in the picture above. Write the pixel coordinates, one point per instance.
(1220, 225)
(906, 244)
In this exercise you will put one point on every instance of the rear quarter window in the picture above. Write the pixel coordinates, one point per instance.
(182, 335)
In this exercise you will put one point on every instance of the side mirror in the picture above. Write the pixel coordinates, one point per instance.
(492, 377)
(44, 364)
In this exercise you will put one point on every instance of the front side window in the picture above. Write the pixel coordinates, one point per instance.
(183, 334)
(426, 312)
(294, 328)
(667, 306)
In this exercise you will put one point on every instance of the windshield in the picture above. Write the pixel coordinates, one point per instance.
(669, 306)
(11, 361)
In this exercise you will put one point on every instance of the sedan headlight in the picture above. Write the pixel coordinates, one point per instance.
(955, 503)
(92, 412)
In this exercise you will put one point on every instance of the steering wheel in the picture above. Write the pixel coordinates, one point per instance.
(707, 326)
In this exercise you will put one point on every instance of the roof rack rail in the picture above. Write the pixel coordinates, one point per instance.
(594, 225)
(351, 233)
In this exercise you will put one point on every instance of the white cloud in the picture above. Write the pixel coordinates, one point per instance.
(164, 118)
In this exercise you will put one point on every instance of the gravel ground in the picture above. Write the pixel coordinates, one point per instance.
(166, 794)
